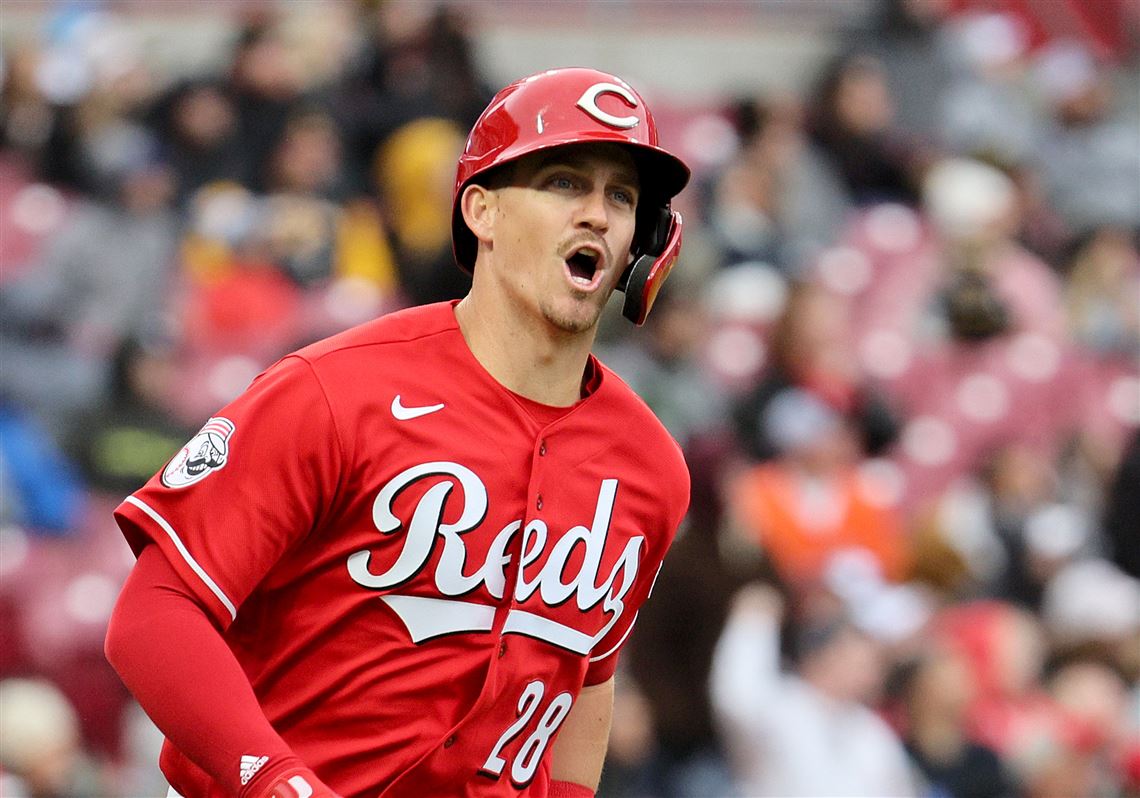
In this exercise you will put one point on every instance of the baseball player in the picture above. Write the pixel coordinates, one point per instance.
(404, 561)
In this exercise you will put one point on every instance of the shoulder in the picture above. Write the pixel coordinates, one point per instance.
(631, 425)
(353, 365)
(632, 415)
(400, 330)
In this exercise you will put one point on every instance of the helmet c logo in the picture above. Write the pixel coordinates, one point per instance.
(588, 102)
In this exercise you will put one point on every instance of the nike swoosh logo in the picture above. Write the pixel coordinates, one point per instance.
(403, 413)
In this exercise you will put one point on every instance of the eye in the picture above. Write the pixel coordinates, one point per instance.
(624, 196)
(562, 182)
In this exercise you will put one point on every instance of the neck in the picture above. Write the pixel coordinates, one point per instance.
(531, 359)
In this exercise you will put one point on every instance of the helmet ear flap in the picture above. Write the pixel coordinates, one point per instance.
(642, 279)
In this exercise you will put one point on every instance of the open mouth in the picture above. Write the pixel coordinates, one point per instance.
(584, 266)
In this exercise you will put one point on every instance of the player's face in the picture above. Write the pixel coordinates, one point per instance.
(563, 231)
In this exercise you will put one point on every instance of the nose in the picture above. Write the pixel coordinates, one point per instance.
(592, 211)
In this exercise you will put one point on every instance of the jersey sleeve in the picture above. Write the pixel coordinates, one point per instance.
(604, 656)
(253, 482)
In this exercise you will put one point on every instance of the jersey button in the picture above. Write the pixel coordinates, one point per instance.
(538, 502)
(542, 448)
(502, 647)
(450, 741)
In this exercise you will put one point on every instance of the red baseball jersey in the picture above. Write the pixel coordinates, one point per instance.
(417, 569)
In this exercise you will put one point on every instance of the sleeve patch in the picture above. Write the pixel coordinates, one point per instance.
(203, 455)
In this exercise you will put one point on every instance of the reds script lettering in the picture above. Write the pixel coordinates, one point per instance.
(451, 577)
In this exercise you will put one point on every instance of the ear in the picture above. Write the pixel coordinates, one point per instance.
(478, 204)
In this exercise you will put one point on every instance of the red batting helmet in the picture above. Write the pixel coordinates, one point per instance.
(576, 106)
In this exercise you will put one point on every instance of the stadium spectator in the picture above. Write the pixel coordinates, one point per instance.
(416, 62)
(987, 111)
(757, 198)
(780, 728)
(1094, 695)
(41, 751)
(1011, 528)
(415, 189)
(305, 189)
(1088, 152)
(936, 690)
(197, 122)
(664, 368)
(851, 125)
(104, 272)
(40, 488)
(912, 39)
(1011, 712)
(131, 435)
(972, 206)
(267, 88)
(810, 348)
(91, 73)
(812, 507)
(1101, 286)
(1122, 510)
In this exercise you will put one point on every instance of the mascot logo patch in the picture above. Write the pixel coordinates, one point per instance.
(205, 453)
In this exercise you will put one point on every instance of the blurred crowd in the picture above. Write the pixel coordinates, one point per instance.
(901, 352)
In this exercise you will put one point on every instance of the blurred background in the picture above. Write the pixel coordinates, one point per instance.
(900, 351)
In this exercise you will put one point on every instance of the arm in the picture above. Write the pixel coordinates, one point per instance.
(746, 669)
(171, 656)
(580, 748)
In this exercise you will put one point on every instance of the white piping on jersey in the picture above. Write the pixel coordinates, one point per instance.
(629, 628)
(194, 566)
(617, 645)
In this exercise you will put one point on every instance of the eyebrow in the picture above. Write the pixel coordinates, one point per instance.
(624, 175)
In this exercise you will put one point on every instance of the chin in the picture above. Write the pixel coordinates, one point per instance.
(582, 316)
(572, 324)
